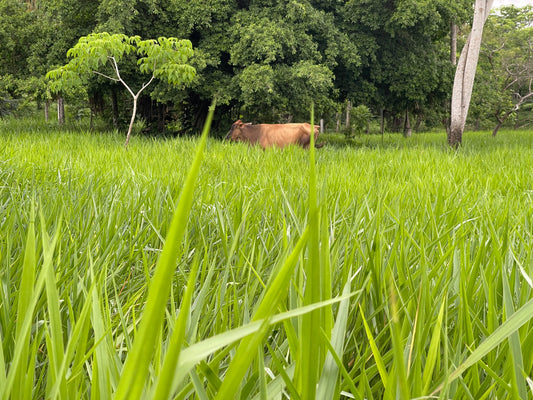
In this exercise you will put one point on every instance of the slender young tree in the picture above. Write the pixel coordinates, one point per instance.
(465, 74)
(164, 58)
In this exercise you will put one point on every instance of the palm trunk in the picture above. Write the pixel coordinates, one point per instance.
(455, 137)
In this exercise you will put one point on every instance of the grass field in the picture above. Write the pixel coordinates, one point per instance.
(406, 273)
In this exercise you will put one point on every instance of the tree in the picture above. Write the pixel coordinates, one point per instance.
(17, 29)
(101, 54)
(465, 73)
(404, 54)
(283, 56)
(506, 65)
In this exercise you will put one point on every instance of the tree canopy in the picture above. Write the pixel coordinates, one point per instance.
(264, 60)
(505, 73)
(164, 58)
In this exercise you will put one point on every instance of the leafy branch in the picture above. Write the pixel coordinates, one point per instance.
(164, 58)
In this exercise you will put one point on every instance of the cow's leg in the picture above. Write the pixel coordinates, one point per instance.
(305, 140)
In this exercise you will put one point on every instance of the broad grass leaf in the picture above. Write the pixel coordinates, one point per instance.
(330, 372)
(137, 363)
(195, 353)
(503, 332)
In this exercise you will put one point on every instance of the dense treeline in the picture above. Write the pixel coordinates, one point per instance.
(264, 60)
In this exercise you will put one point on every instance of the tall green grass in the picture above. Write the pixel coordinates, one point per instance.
(192, 268)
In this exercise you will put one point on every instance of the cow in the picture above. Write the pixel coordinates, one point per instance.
(268, 135)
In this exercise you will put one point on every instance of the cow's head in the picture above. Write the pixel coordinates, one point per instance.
(235, 131)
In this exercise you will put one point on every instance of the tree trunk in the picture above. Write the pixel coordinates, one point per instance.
(407, 131)
(497, 127)
(348, 110)
(515, 109)
(338, 122)
(465, 74)
(46, 110)
(132, 120)
(455, 137)
(418, 123)
(60, 111)
(453, 44)
(396, 123)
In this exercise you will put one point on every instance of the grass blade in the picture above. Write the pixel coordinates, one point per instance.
(431, 359)
(518, 384)
(22, 339)
(164, 382)
(195, 353)
(375, 351)
(269, 304)
(310, 342)
(330, 371)
(397, 348)
(137, 363)
(504, 331)
(55, 339)
(25, 294)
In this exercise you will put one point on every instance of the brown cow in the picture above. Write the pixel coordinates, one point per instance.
(279, 135)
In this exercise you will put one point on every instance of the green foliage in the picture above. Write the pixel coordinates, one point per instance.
(503, 78)
(7, 101)
(360, 118)
(390, 55)
(405, 52)
(296, 47)
(17, 30)
(164, 58)
(116, 16)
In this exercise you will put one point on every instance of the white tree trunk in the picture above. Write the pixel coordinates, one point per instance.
(46, 110)
(348, 110)
(453, 44)
(466, 72)
(60, 111)
(133, 115)
(407, 131)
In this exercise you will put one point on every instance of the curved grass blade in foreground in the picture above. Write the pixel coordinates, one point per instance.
(135, 370)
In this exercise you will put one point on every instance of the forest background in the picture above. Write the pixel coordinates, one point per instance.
(368, 65)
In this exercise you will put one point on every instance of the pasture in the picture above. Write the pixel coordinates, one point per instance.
(408, 269)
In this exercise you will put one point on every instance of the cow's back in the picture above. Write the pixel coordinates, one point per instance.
(268, 135)
(281, 135)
